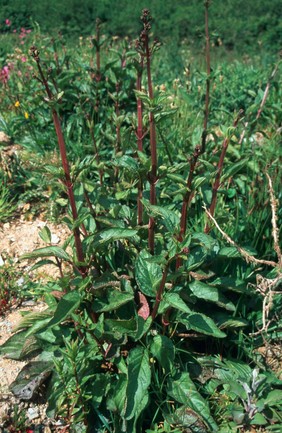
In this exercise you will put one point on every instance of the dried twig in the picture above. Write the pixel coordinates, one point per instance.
(275, 231)
(244, 253)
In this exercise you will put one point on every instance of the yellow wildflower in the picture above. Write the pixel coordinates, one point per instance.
(26, 115)
(17, 104)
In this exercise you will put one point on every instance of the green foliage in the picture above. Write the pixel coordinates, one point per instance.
(124, 329)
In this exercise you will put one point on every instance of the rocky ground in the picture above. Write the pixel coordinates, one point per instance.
(19, 237)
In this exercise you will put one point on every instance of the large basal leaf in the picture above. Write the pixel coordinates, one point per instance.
(148, 275)
(162, 348)
(139, 379)
(51, 251)
(186, 417)
(30, 379)
(14, 347)
(203, 324)
(112, 299)
(210, 293)
(183, 390)
(66, 306)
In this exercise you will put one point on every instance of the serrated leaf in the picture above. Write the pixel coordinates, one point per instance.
(148, 275)
(211, 294)
(51, 251)
(139, 379)
(66, 306)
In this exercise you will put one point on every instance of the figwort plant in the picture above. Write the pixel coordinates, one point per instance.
(135, 329)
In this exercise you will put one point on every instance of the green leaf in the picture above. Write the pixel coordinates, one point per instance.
(230, 252)
(121, 326)
(51, 251)
(114, 234)
(42, 263)
(148, 275)
(45, 235)
(170, 219)
(186, 417)
(273, 398)
(259, 419)
(30, 379)
(162, 348)
(234, 168)
(128, 163)
(211, 294)
(173, 300)
(66, 306)
(203, 324)
(112, 299)
(143, 327)
(233, 284)
(139, 379)
(183, 390)
(116, 401)
(14, 347)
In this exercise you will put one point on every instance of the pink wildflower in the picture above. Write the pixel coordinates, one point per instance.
(8, 22)
(23, 59)
(4, 74)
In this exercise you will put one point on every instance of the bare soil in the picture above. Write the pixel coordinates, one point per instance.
(17, 238)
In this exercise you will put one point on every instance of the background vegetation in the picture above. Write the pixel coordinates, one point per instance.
(156, 322)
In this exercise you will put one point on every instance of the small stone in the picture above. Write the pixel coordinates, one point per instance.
(4, 138)
(32, 413)
(55, 239)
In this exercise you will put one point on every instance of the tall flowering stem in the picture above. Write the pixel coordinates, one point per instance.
(62, 147)
(208, 80)
(140, 136)
(148, 52)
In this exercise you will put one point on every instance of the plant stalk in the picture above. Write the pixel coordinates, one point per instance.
(208, 80)
(216, 184)
(62, 147)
